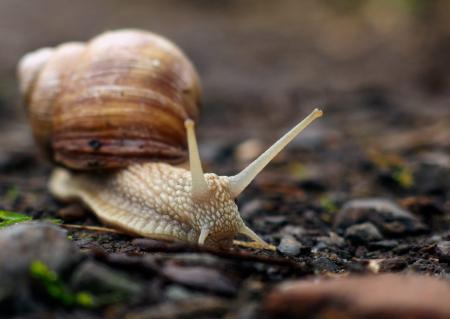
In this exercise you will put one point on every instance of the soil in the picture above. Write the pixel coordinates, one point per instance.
(377, 70)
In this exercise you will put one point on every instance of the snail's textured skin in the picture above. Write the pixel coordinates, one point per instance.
(154, 200)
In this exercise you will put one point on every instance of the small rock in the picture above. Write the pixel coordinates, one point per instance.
(384, 244)
(363, 233)
(432, 178)
(250, 208)
(335, 239)
(289, 246)
(100, 279)
(296, 231)
(249, 150)
(443, 250)
(426, 266)
(204, 278)
(15, 161)
(328, 242)
(24, 243)
(393, 264)
(387, 216)
(382, 296)
(323, 264)
(72, 212)
(175, 292)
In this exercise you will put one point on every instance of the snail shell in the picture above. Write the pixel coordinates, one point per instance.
(121, 98)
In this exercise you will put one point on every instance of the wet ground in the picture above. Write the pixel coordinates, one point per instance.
(365, 190)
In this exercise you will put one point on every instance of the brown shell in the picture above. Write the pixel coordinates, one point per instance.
(121, 98)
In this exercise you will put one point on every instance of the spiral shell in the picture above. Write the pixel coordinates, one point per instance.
(121, 98)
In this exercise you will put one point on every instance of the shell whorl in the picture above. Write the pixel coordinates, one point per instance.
(121, 98)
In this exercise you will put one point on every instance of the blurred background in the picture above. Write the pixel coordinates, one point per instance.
(380, 69)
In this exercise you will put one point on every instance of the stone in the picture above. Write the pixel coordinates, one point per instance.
(387, 216)
(324, 264)
(251, 208)
(296, 231)
(384, 244)
(289, 246)
(72, 212)
(100, 279)
(363, 233)
(381, 296)
(24, 243)
(443, 250)
(249, 150)
(199, 277)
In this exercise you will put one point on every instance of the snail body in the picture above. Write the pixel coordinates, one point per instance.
(115, 115)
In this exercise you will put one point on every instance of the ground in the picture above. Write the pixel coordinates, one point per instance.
(377, 70)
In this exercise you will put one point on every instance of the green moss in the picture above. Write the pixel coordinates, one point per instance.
(57, 290)
(10, 218)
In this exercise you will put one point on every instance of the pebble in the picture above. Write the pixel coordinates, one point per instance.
(14, 161)
(176, 292)
(324, 264)
(289, 246)
(381, 296)
(24, 243)
(249, 150)
(393, 264)
(387, 216)
(199, 277)
(363, 233)
(443, 250)
(100, 279)
(384, 244)
(296, 231)
(328, 242)
(72, 212)
(251, 208)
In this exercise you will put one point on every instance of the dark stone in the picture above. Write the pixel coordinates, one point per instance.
(199, 277)
(388, 217)
(24, 243)
(384, 244)
(443, 250)
(289, 246)
(102, 280)
(291, 230)
(250, 208)
(432, 178)
(393, 264)
(363, 233)
(15, 161)
(72, 212)
(323, 264)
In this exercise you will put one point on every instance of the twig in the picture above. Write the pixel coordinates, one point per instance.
(254, 245)
(93, 228)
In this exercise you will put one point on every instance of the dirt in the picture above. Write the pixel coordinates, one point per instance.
(377, 70)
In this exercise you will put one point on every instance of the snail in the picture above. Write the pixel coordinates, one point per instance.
(117, 116)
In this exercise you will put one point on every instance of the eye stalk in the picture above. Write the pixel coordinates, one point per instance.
(240, 181)
(200, 190)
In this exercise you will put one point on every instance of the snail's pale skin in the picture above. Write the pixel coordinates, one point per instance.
(162, 201)
(154, 200)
